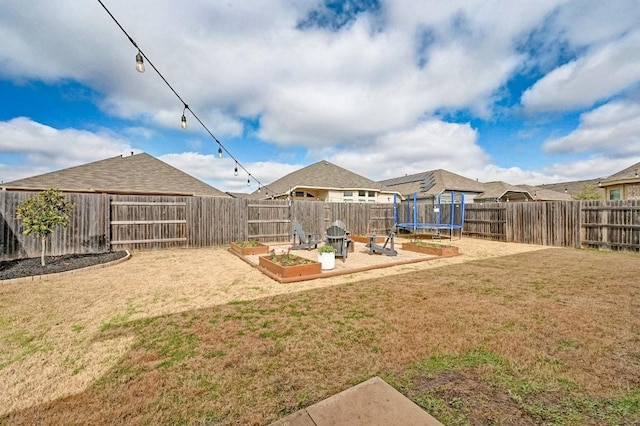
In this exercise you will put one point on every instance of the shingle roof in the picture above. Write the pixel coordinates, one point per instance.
(135, 174)
(631, 173)
(433, 182)
(545, 194)
(322, 174)
(497, 189)
(572, 188)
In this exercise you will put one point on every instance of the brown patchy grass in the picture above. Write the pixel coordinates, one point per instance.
(545, 337)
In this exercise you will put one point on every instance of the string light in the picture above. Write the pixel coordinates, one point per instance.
(259, 189)
(139, 62)
(140, 66)
(183, 120)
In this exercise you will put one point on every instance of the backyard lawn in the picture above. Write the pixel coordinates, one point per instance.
(550, 336)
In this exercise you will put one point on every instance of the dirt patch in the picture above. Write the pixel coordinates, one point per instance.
(468, 395)
(21, 268)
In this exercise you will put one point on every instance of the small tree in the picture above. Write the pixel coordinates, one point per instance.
(41, 215)
(588, 192)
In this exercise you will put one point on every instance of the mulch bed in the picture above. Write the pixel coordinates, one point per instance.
(20, 268)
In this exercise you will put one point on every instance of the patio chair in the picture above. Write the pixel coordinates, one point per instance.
(303, 240)
(338, 237)
(376, 248)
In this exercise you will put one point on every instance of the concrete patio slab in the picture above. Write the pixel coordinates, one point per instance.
(371, 403)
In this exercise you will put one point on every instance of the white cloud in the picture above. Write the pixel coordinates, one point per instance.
(308, 86)
(613, 128)
(597, 166)
(427, 146)
(363, 97)
(601, 73)
(46, 148)
(219, 172)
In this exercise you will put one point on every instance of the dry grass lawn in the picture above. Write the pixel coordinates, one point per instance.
(504, 334)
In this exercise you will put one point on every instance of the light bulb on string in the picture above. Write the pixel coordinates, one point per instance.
(259, 189)
(139, 62)
(183, 120)
(140, 67)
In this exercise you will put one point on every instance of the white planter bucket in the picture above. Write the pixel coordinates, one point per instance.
(328, 260)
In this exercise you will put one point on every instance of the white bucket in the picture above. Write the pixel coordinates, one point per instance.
(328, 260)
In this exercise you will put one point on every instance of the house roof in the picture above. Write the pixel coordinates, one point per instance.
(322, 174)
(498, 189)
(433, 182)
(545, 194)
(135, 174)
(238, 194)
(628, 175)
(572, 188)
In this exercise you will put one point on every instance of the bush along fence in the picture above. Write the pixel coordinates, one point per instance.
(102, 222)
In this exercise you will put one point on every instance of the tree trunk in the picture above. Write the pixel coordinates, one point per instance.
(44, 246)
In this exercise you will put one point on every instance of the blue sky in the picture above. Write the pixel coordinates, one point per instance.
(521, 91)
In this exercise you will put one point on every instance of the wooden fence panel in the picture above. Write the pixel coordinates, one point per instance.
(486, 220)
(215, 221)
(311, 215)
(148, 223)
(88, 230)
(613, 225)
(545, 223)
(268, 220)
(316, 217)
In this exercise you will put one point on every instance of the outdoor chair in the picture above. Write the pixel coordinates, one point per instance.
(338, 237)
(303, 240)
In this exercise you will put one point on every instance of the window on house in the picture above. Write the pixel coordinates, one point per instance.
(372, 194)
(615, 194)
(348, 193)
(303, 194)
(362, 193)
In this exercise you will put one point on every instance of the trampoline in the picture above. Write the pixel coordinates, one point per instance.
(416, 220)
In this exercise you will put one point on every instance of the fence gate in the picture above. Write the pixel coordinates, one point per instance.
(269, 221)
(143, 223)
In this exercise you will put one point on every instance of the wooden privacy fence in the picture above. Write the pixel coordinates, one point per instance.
(87, 231)
(598, 224)
(102, 222)
(612, 224)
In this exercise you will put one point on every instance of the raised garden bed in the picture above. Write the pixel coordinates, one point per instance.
(289, 265)
(247, 248)
(434, 249)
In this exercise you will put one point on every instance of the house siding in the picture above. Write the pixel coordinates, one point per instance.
(633, 191)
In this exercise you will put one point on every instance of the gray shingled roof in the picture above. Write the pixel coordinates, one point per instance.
(497, 189)
(322, 174)
(630, 174)
(574, 187)
(545, 194)
(433, 182)
(135, 174)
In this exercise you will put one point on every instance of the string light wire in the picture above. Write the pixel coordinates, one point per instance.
(221, 147)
